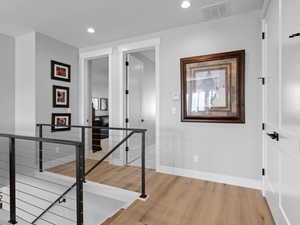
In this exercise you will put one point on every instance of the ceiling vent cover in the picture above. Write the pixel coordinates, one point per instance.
(215, 11)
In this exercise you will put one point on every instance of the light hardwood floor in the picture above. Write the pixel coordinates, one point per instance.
(178, 200)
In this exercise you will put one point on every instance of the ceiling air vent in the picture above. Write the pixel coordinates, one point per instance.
(215, 11)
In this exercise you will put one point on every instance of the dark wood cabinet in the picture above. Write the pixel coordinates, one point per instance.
(98, 134)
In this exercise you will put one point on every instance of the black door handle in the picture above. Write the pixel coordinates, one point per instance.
(274, 135)
(294, 35)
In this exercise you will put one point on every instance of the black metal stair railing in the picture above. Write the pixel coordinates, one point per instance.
(12, 172)
(81, 167)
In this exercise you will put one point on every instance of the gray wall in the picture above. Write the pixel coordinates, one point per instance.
(43, 49)
(48, 49)
(7, 65)
(7, 49)
(230, 149)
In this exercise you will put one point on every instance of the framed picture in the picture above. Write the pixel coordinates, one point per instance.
(60, 120)
(60, 97)
(60, 71)
(103, 104)
(96, 103)
(212, 88)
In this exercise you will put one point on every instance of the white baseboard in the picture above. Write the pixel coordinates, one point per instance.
(218, 178)
(116, 162)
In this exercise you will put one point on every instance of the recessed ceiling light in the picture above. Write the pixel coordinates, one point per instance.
(185, 4)
(91, 30)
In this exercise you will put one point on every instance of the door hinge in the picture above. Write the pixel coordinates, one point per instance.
(263, 80)
(1, 203)
(263, 35)
(263, 172)
(126, 63)
(126, 120)
(263, 126)
(126, 92)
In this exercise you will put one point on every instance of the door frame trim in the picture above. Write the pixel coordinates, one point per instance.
(135, 46)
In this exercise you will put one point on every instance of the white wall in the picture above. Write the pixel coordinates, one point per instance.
(7, 85)
(229, 149)
(25, 117)
(7, 101)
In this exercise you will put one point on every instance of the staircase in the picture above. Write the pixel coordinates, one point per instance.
(35, 194)
(46, 198)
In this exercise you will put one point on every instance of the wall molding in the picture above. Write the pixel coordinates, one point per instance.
(213, 177)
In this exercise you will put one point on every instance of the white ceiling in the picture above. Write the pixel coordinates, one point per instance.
(67, 20)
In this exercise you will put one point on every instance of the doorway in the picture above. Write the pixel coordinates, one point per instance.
(140, 104)
(98, 76)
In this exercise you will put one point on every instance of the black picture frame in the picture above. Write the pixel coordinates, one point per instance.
(55, 97)
(64, 68)
(55, 128)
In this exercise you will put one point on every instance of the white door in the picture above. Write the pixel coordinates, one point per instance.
(281, 111)
(141, 105)
(134, 106)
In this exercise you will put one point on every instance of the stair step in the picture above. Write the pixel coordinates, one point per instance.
(4, 217)
(112, 219)
(37, 203)
(35, 194)
(29, 212)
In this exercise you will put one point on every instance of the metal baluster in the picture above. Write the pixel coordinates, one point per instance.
(12, 181)
(79, 183)
(83, 147)
(41, 148)
(143, 195)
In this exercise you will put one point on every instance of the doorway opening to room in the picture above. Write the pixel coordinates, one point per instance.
(140, 104)
(98, 73)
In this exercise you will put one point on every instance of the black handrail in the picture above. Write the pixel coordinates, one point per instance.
(83, 128)
(12, 171)
(136, 130)
(109, 153)
(38, 139)
(74, 185)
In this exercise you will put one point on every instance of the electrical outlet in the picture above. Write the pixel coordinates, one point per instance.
(196, 158)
